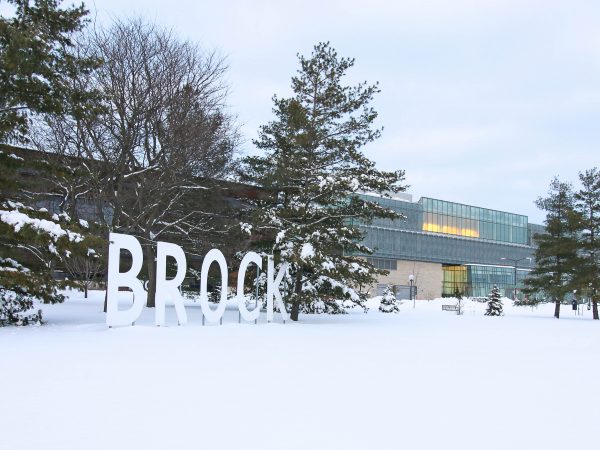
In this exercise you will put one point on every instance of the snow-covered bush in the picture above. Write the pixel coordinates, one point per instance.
(389, 303)
(533, 302)
(214, 294)
(17, 309)
(494, 307)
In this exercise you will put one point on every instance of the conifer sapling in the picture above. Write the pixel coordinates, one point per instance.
(494, 307)
(389, 303)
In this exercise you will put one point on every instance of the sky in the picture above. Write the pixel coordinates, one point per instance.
(482, 102)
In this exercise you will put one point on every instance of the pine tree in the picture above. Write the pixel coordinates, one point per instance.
(587, 204)
(311, 173)
(37, 64)
(458, 297)
(457, 294)
(494, 306)
(556, 255)
(389, 303)
(214, 294)
(33, 241)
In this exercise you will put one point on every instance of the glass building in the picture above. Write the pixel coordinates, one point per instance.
(450, 247)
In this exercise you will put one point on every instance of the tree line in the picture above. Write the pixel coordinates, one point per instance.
(568, 252)
(135, 124)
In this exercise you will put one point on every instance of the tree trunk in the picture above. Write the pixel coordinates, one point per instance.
(151, 266)
(85, 290)
(105, 292)
(557, 308)
(595, 308)
(298, 291)
(295, 309)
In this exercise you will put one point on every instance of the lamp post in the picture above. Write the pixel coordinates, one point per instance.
(515, 262)
(411, 279)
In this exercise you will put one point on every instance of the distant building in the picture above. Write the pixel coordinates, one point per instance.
(450, 247)
(446, 246)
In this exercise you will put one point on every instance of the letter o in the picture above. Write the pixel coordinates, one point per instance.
(211, 315)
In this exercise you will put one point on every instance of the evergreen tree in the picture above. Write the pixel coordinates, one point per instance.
(494, 306)
(311, 173)
(389, 303)
(37, 63)
(457, 294)
(556, 253)
(587, 204)
(214, 294)
(33, 241)
(458, 297)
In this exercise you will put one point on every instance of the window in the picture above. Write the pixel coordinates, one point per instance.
(382, 263)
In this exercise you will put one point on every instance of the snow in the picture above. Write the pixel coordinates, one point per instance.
(307, 251)
(420, 379)
(327, 265)
(246, 228)
(18, 220)
(15, 266)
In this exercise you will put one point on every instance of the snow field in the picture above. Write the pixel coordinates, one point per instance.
(420, 379)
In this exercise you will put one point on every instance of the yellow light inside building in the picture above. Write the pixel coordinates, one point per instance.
(445, 229)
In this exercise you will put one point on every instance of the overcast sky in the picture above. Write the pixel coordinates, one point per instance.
(482, 102)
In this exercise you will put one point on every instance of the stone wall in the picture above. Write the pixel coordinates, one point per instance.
(428, 278)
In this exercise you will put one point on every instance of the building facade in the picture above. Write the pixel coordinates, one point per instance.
(450, 247)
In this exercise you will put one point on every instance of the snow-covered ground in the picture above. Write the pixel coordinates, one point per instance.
(421, 379)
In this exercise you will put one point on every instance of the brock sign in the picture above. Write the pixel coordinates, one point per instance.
(168, 289)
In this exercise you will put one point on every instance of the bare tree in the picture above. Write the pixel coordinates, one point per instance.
(85, 268)
(161, 136)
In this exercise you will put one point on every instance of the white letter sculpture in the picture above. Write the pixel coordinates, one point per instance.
(116, 279)
(168, 289)
(213, 315)
(273, 289)
(250, 257)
